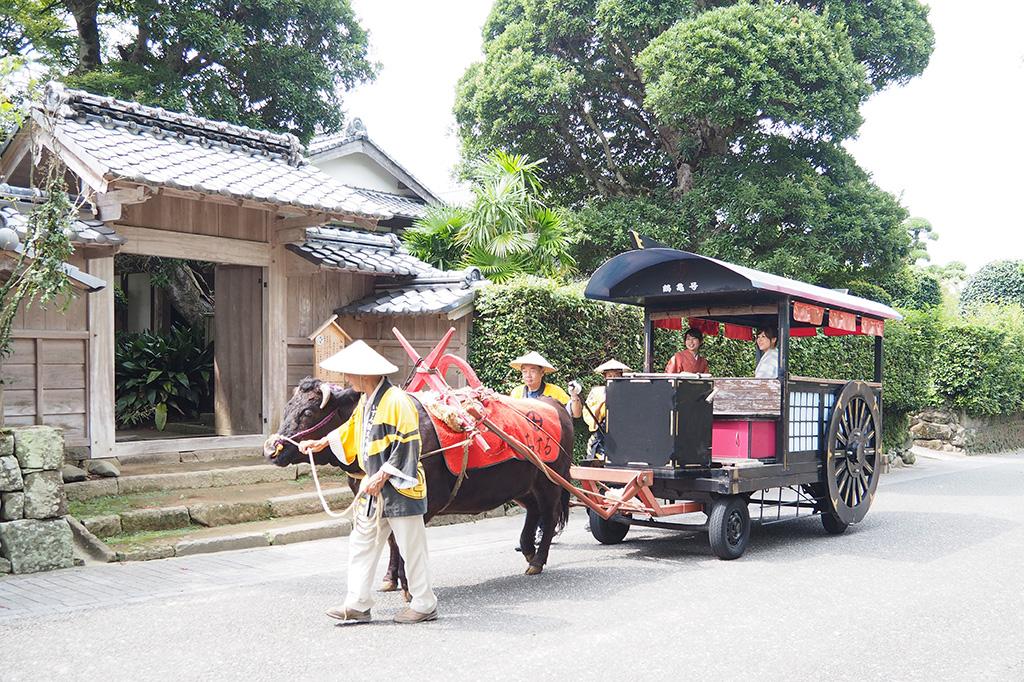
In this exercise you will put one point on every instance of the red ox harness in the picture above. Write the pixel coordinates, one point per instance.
(532, 422)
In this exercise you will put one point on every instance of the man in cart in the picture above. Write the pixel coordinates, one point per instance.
(383, 433)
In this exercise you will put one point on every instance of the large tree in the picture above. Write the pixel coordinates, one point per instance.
(274, 65)
(728, 116)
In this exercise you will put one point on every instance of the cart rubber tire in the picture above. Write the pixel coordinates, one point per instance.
(833, 524)
(606, 532)
(729, 527)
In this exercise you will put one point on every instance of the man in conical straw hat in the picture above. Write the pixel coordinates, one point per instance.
(533, 368)
(383, 434)
(596, 412)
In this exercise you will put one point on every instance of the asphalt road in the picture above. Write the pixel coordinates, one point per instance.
(929, 586)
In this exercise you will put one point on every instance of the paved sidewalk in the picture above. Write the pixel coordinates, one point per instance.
(124, 583)
(118, 584)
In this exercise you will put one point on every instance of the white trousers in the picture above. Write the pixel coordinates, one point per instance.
(369, 537)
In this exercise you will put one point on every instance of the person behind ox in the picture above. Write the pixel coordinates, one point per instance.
(596, 412)
(767, 340)
(383, 434)
(533, 368)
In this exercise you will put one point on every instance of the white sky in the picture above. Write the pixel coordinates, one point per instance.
(950, 144)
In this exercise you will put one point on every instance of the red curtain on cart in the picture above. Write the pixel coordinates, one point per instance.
(738, 332)
(839, 320)
(805, 312)
(872, 327)
(709, 327)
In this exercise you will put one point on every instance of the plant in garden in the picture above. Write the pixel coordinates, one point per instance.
(728, 116)
(154, 373)
(507, 229)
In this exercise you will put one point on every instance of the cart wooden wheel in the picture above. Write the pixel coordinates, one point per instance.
(606, 531)
(852, 460)
(729, 526)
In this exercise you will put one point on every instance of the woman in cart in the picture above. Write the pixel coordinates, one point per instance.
(767, 340)
(688, 359)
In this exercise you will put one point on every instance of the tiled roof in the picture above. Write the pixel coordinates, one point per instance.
(148, 145)
(355, 251)
(323, 143)
(397, 204)
(443, 292)
(356, 132)
(17, 202)
(79, 279)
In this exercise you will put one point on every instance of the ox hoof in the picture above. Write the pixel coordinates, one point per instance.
(406, 596)
(534, 570)
(388, 586)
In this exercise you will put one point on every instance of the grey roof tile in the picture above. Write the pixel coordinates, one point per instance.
(154, 146)
(380, 254)
(16, 203)
(397, 204)
(432, 293)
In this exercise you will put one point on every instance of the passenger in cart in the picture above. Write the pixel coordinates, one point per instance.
(689, 359)
(767, 340)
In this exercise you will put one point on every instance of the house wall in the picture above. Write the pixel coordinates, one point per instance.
(422, 331)
(46, 376)
(359, 170)
(313, 295)
(189, 216)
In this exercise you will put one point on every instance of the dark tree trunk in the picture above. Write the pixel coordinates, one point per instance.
(84, 12)
(187, 295)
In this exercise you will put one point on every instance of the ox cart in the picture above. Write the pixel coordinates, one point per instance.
(720, 446)
(707, 449)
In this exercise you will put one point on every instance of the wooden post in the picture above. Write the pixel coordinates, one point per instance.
(101, 360)
(648, 343)
(275, 358)
(782, 446)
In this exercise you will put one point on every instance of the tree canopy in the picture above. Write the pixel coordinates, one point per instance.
(1001, 281)
(728, 116)
(273, 65)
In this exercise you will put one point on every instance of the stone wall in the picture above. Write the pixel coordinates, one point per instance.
(34, 535)
(953, 431)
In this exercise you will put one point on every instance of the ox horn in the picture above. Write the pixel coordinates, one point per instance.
(325, 389)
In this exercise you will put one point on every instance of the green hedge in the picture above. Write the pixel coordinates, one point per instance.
(979, 362)
(975, 364)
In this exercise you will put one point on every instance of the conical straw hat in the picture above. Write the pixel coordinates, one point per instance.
(610, 365)
(532, 358)
(359, 358)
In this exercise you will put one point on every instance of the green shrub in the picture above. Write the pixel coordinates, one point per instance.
(979, 362)
(154, 373)
(998, 282)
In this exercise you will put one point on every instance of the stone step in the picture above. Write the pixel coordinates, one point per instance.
(205, 477)
(303, 528)
(209, 507)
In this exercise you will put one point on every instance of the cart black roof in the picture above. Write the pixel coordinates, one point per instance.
(660, 278)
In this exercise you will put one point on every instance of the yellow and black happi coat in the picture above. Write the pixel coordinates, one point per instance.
(384, 433)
